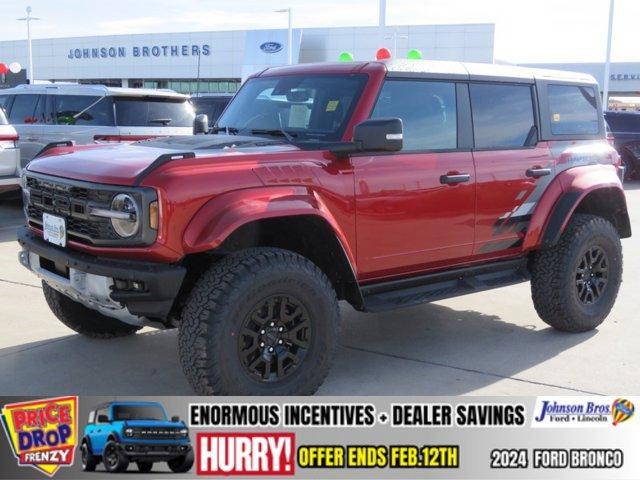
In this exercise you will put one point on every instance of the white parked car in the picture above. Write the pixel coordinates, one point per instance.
(9, 156)
(48, 113)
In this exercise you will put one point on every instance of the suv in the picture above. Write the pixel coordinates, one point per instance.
(47, 113)
(385, 184)
(118, 433)
(625, 128)
(9, 156)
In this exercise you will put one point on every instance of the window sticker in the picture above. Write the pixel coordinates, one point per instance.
(332, 105)
(299, 116)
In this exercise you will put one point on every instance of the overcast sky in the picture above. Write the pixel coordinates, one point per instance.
(526, 30)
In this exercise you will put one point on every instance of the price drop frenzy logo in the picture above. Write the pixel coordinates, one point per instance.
(42, 433)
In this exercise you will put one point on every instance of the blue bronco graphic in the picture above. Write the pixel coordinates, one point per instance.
(119, 433)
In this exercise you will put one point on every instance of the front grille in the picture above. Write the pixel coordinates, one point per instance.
(153, 433)
(72, 202)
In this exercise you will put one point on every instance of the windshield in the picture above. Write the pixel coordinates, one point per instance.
(153, 112)
(138, 412)
(306, 108)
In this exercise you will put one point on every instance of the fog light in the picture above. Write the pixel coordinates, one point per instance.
(129, 285)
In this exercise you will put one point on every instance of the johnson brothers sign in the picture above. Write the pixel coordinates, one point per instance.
(141, 51)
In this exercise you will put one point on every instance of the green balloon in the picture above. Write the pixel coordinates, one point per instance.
(414, 54)
(346, 57)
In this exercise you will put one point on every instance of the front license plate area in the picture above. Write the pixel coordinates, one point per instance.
(54, 229)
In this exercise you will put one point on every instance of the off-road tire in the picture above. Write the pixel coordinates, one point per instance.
(89, 461)
(553, 282)
(84, 320)
(182, 464)
(224, 296)
(145, 467)
(122, 461)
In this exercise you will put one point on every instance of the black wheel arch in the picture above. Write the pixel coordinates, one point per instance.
(606, 202)
(308, 235)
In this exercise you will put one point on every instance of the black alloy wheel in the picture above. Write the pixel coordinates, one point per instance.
(275, 338)
(592, 275)
(111, 455)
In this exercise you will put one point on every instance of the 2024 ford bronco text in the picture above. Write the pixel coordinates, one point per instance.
(119, 433)
(384, 184)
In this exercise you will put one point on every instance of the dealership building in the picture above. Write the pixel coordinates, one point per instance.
(221, 60)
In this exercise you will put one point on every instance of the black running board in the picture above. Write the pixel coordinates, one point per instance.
(406, 292)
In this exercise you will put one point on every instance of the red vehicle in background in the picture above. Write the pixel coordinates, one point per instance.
(385, 184)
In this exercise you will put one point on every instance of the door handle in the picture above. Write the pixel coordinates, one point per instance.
(453, 178)
(537, 172)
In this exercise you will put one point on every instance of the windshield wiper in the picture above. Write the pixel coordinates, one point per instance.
(163, 121)
(226, 130)
(275, 132)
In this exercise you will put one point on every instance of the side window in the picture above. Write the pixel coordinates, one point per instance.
(5, 102)
(102, 411)
(502, 115)
(573, 110)
(92, 417)
(23, 109)
(427, 110)
(83, 110)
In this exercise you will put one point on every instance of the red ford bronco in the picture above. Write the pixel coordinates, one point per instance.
(385, 184)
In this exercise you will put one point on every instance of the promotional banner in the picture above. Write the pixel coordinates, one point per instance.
(332, 437)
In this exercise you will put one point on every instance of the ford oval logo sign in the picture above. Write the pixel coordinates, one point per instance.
(271, 47)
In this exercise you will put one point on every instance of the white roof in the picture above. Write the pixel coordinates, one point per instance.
(78, 89)
(485, 71)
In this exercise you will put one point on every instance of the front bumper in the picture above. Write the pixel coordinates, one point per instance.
(97, 282)
(154, 452)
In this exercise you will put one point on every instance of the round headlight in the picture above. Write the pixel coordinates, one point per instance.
(128, 225)
(184, 432)
(129, 432)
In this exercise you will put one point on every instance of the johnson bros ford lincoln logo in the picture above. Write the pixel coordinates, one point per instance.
(575, 412)
(42, 433)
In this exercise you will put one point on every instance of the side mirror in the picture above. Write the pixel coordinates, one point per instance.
(201, 124)
(103, 419)
(379, 135)
(373, 135)
(175, 419)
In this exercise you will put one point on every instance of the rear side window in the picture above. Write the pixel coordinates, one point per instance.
(212, 107)
(427, 110)
(502, 115)
(3, 117)
(153, 112)
(5, 100)
(83, 110)
(573, 110)
(23, 109)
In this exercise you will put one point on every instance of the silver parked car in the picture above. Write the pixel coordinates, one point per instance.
(9, 156)
(48, 113)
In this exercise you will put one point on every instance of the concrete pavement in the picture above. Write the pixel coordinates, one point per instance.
(489, 343)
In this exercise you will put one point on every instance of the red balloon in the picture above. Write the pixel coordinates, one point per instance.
(383, 54)
(3, 68)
